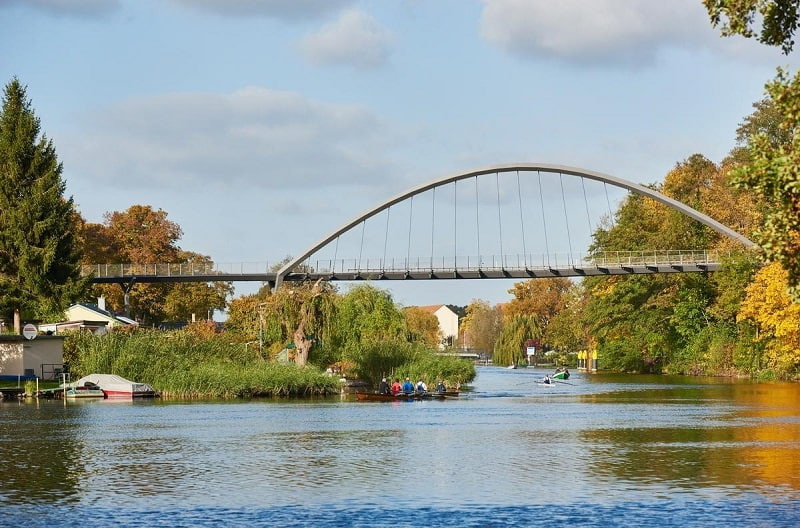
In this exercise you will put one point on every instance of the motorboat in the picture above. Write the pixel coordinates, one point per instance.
(117, 387)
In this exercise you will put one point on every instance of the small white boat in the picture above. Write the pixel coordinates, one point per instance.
(117, 387)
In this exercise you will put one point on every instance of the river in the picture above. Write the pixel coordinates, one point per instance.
(597, 450)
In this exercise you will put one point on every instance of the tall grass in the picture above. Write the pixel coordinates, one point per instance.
(399, 360)
(181, 364)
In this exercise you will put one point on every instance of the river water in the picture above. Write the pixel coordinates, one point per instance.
(597, 450)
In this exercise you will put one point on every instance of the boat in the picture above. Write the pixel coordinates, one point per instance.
(82, 391)
(376, 396)
(117, 387)
(562, 375)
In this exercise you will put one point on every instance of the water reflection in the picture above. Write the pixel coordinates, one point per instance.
(509, 447)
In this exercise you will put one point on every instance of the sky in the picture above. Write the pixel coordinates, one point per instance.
(261, 126)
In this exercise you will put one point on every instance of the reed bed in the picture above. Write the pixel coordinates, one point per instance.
(182, 365)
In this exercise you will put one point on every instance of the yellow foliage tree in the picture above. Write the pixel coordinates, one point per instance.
(768, 306)
(422, 326)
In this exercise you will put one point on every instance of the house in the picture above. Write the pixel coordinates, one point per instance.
(22, 358)
(448, 323)
(85, 316)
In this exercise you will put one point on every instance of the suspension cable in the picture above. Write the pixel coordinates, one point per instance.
(385, 238)
(499, 218)
(336, 254)
(361, 249)
(544, 219)
(566, 218)
(586, 203)
(522, 223)
(455, 225)
(477, 223)
(408, 248)
(433, 222)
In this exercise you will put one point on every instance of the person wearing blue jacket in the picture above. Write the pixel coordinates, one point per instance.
(408, 387)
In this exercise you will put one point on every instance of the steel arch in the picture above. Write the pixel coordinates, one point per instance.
(526, 167)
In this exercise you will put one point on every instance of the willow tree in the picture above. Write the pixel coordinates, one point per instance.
(304, 312)
(517, 329)
(39, 256)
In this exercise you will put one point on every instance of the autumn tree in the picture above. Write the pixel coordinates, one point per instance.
(543, 298)
(772, 22)
(481, 325)
(138, 235)
(39, 256)
(185, 300)
(768, 306)
(772, 172)
(422, 326)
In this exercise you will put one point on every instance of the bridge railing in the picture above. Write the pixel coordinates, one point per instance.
(606, 259)
(181, 269)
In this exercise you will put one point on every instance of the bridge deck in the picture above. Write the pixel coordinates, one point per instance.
(618, 263)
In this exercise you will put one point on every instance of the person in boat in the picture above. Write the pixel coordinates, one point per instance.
(396, 387)
(408, 387)
(440, 387)
(547, 380)
(558, 370)
(422, 387)
(383, 388)
(566, 373)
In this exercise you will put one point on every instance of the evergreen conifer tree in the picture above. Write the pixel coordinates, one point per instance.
(39, 254)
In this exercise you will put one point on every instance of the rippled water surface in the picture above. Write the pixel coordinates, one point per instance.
(594, 451)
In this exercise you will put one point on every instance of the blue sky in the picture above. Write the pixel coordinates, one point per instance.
(262, 125)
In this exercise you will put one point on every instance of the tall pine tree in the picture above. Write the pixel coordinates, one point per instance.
(39, 255)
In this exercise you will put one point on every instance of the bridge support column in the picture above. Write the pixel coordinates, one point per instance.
(126, 290)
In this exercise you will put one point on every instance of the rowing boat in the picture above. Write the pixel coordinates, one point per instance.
(375, 396)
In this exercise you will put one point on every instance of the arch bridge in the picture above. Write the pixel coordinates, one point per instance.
(482, 224)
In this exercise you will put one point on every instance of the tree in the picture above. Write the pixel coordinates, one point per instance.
(769, 308)
(777, 20)
(422, 326)
(543, 298)
(773, 174)
(481, 325)
(186, 299)
(366, 314)
(139, 235)
(517, 329)
(39, 255)
(304, 313)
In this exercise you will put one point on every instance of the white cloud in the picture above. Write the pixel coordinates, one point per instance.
(282, 9)
(255, 136)
(627, 32)
(354, 39)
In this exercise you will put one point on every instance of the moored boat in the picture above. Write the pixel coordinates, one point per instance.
(82, 391)
(117, 387)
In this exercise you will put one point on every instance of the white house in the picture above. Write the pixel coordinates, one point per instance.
(448, 322)
(90, 317)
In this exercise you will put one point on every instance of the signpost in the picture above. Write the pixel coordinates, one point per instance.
(30, 331)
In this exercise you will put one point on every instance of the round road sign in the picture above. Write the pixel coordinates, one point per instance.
(29, 331)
